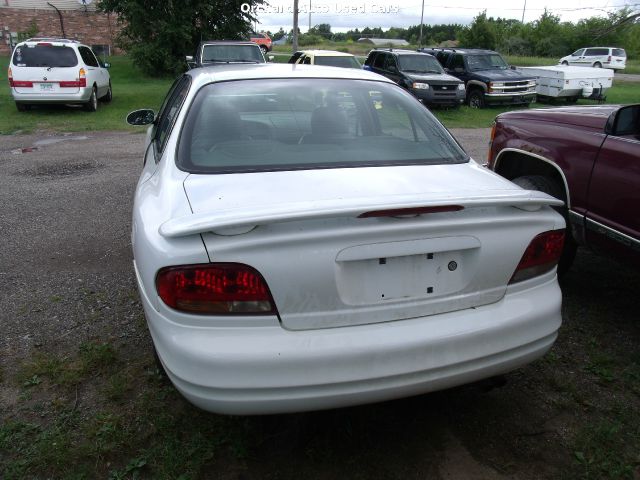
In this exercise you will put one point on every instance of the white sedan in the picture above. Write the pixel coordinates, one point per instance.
(312, 237)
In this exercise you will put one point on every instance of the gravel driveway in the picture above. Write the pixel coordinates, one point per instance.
(65, 268)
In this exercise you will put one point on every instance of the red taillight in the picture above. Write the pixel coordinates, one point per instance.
(73, 83)
(218, 289)
(542, 255)
(17, 83)
(82, 78)
(401, 212)
(609, 59)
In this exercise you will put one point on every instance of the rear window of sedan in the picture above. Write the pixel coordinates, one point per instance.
(292, 124)
(44, 56)
(337, 61)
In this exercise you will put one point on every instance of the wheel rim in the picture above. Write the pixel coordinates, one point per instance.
(474, 101)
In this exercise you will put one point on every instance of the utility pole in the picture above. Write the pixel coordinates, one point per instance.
(523, 9)
(309, 16)
(421, 19)
(295, 26)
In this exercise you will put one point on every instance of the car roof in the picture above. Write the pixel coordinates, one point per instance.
(227, 42)
(400, 51)
(325, 53)
(51, 40)
(222, 73)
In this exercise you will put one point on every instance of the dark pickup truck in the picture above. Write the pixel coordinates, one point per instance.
(587, 156)
(487, 77)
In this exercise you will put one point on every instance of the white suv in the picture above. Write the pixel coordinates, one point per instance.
(598, 57)
(54, 70)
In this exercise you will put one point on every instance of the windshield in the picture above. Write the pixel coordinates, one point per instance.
(419, 63)
(344, 62)
(232, 53)
(292, 124)
(44, 56)
(486, 62)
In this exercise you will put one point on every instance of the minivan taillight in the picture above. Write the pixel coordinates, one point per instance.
(541, 256)
(215, 289)
(82, 78)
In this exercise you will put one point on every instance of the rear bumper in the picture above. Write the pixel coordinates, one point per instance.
(58, 98)
(267, 369)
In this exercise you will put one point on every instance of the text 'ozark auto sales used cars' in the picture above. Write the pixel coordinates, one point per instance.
(312, 237)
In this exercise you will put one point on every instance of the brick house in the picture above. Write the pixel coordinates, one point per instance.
(79, 19)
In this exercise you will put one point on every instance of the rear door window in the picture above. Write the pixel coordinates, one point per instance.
(595, 52)
(380, 61)
(87, 57)
(44, 56)
(619, 52)
(169, 112)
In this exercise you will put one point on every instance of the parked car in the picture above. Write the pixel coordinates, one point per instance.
(328, 58)
(57, 70)
(487, 77)
(217, 52)
(588, 158)
(310, 237)
(419, 73)
(263, 40)
(598, 57)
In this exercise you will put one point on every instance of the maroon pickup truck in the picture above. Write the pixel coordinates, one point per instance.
(587, 156)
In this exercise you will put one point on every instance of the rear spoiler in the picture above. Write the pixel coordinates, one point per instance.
(254, 216)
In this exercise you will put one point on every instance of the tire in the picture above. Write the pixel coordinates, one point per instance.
(264, 49)
(475, 99)
(546, 185)
(92, 104)
(23, 107)
(597, 65)
(108, 96)
(565, 63)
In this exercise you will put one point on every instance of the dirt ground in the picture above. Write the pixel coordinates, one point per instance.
(79, 396)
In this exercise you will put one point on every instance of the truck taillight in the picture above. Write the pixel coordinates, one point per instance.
(82, 78)
(609, 59)
(215, 289)
(541, 256)
(10, 76)
(17, 83)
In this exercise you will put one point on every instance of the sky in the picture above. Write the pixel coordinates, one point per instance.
(343, 15)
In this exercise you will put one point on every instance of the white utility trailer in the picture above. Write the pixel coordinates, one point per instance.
(570, 83)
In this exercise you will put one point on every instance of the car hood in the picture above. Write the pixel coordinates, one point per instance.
(502, 75)
(230, 201)
(432, 77)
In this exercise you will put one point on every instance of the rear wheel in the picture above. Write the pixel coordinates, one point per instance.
(264, 49)
(92, 104)
(475, 99)
(108, 96)
(597, 65)
(565, 63)
(546, 185)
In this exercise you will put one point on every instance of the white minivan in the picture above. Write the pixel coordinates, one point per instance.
(54, 70)
(597, 57)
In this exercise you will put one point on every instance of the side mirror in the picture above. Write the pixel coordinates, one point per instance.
(270, 58)
(106, 65)
(189, 58)
(144, 116)
(624, 121)
(513, 67)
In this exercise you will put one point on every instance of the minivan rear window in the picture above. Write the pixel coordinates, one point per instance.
(618, 52)
(44, 56)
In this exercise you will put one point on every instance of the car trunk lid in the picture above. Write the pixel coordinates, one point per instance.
(329, 264)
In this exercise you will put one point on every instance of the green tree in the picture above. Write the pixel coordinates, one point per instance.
(158, 35)
(480, 34)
